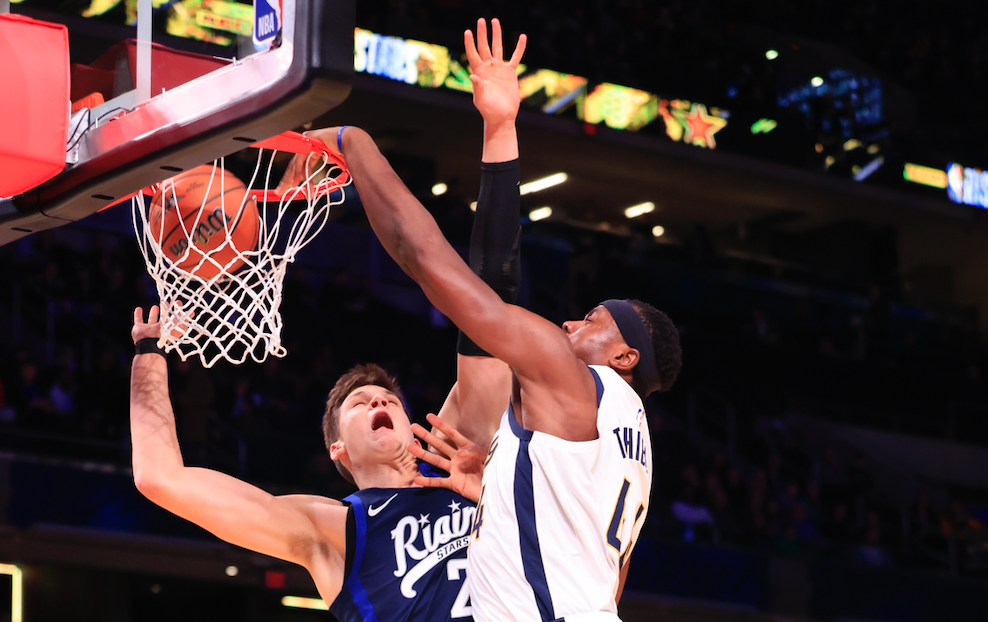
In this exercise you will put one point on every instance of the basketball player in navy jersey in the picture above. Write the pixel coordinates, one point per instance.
(394, 550)
(568, 473)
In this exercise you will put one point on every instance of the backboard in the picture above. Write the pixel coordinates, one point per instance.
(161, 86)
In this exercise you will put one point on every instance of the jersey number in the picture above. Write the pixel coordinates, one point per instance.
(618, 519)
(478, 519)
(460, 607)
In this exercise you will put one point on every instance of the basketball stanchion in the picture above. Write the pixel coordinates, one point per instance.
(218, 249)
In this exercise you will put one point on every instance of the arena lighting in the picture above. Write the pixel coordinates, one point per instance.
(637, 210)
(232, 571)
(865, 171)
(300, 602)
(542, 184)
(852, 144)
(16, 591)
(473, 206)
(658, 231)
(439, 189)
(816, 81)
(771, 55)
(763, 126)
(540, 214)
(933, 177)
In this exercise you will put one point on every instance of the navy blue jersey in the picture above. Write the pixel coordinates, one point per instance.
(409, 558)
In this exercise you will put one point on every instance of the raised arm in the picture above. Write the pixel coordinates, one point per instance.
(483, 386)
(557, 389)
(307, 530)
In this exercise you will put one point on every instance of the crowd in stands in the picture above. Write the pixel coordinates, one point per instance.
(760, 349)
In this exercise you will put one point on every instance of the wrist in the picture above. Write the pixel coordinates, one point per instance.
(148, 345)
(500, 141)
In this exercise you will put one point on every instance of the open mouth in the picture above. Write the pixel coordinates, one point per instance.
(382, 419)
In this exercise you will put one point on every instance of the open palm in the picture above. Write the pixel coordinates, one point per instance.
(495, 81)
(453, 453)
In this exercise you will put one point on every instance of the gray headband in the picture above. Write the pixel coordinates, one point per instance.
(636, 335)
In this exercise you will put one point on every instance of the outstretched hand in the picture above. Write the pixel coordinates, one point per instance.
(152, 328)
(456, 454)
(142, 329)
(495, 81)
(302, 166)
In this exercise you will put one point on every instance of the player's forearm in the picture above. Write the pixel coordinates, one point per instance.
(409, 233)
(500, 142)
(156, 454)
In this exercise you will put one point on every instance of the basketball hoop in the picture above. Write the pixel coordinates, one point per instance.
(222, 301)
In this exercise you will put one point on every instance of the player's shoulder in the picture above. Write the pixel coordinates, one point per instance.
(613, 387)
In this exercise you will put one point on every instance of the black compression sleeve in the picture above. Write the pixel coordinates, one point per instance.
(495, 253)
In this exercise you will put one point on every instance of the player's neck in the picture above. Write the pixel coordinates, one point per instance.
(399, 473)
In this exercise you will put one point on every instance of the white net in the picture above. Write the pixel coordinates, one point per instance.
(220, 301)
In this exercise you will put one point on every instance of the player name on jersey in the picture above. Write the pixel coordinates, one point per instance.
(632, 445)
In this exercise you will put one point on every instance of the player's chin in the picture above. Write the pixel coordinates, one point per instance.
(388, 440)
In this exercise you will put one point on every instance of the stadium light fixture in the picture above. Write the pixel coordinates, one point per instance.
(771, 54)
(540, 214)
(300, 602)
(542, 184)
(638, 210)
(658, 231)
(473, 206)
(439, 189)
(232, 571)
(816, 81)
(16, 591)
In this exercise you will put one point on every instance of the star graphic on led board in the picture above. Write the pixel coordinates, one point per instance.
(700, 127)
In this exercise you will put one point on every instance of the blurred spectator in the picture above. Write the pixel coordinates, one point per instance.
(695, 519)
(871, 552)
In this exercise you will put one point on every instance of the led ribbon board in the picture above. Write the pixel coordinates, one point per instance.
(967, 185)
(620, 107)
(925, 175)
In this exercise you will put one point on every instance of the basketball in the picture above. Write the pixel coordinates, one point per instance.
(183, 197)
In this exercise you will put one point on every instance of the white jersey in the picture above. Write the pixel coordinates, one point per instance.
(558, 519)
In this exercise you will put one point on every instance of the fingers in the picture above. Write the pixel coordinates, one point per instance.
(519, 51)
(497, 52)
(291, 178)
(427, 456)
(432, 482)
(138, 316)
(451, 433)
(472, 56)
(433, 441)
(153, 315)
(484, 47)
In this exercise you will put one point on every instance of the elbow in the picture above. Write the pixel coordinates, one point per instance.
(151, 485)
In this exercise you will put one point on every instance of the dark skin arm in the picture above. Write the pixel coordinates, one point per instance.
(557, 392)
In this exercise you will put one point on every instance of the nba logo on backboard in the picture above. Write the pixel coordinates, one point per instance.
(267, 21)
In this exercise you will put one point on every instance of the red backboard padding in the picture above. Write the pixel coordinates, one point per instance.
(34, 107)
(169, 69)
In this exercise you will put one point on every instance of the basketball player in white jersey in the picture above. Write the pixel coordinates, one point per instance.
(568, 473)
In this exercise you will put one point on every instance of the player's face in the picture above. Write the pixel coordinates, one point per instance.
(374, 426)
(593, 336)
